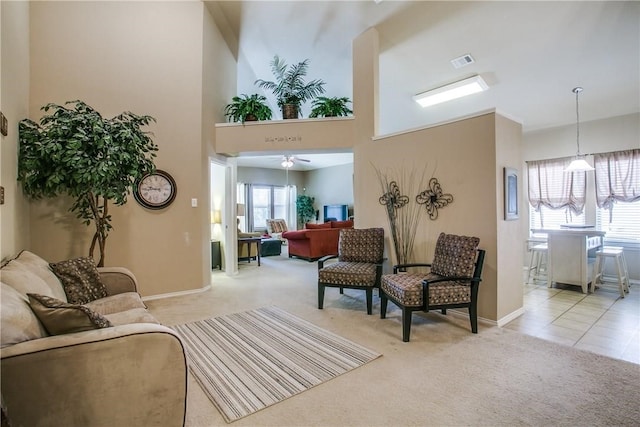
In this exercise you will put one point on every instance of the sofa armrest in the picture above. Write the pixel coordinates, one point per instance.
(295, 235)
(134, 375)
(118, 280)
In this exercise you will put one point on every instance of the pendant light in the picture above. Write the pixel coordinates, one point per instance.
(579, 163)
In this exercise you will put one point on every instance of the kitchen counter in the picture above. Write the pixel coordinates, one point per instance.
(571, 255)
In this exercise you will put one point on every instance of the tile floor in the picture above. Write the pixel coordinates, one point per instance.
(600, 322)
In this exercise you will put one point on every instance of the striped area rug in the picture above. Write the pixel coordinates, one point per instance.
(248, 361)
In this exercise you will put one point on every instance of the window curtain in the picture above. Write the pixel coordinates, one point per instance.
(551, 186)
(292, 216)
(617, 176)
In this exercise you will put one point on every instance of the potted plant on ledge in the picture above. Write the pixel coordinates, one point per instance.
(289, 86)
(247, 108)
(330, 107)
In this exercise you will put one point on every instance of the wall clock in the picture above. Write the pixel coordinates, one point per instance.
(155, 190)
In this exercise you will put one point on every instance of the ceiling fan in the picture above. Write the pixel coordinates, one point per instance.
(288, 161)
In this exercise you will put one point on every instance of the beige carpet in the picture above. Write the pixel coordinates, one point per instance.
(445, 376)
(248, 361)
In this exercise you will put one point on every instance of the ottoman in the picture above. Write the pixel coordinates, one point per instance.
(270, 247)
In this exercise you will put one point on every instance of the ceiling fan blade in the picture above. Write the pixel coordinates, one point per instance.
(295, 159)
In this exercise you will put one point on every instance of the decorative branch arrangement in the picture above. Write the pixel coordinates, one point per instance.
(403, 216)
(433, 198)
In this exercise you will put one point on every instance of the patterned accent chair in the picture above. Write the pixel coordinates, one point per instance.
(451, 282)
(359, 265)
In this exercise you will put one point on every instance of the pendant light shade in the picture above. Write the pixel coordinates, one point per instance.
(579, 163)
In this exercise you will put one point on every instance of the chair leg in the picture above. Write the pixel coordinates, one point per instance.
(444, 311)
(341, 290)
(473, 317)
(383, 305)
(406, 324)
(369, 292)
(320, 295)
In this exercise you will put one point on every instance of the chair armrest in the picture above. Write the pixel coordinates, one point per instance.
(324, 259)
(118, 280)
(426, 282)
(402, 267)
(125, 375)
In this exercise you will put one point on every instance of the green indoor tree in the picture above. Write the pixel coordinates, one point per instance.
(304, 207)
(76, 152)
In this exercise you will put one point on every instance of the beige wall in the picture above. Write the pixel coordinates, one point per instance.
(14, 104)
(331, 186)
(146, 57)
(508, 152)
(270, 176)
(462, 156)
(281, 136)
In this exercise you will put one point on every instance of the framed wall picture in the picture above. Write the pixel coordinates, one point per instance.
(510, 194)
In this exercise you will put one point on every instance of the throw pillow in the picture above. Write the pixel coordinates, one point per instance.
(59, 317)
(80, 279)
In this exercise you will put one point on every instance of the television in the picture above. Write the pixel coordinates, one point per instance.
(336, 212)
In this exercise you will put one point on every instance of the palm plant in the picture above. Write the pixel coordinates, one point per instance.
(247, 108)
(330, 107)
(289, 86)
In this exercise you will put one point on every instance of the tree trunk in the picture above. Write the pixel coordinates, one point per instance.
(101, 224)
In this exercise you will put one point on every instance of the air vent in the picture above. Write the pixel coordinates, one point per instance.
(462, 61)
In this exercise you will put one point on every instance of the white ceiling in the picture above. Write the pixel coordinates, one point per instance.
(532, 54)
(316, 161)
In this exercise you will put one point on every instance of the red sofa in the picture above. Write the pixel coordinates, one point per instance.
(316, 240)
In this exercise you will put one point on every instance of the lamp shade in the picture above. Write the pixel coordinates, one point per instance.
(240, 208)
(579, 164)
(216, 217)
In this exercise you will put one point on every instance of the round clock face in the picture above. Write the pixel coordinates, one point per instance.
(155, 190)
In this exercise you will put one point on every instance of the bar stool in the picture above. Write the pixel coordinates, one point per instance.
(538, 262)
(617, 254)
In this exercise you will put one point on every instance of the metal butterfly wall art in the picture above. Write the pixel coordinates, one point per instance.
(393, 198)
(433, 198)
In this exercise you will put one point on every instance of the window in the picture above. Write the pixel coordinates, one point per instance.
(552, 218)
(617, 178)
(555, 196)
(624, 225)
(267, 201)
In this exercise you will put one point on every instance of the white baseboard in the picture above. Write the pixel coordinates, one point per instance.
(175, 294)
(500, 322)
(509, 317)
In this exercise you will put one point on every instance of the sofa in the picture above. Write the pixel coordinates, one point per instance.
(105, 362)
(316, 240)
